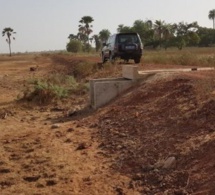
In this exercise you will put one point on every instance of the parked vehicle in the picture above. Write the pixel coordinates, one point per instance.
(124, 46)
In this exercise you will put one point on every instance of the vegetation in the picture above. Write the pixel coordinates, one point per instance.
(158, 34)
(104, 34)
(188, 56)
(8, 32)
(211, 16)
(85, 29)
(74, 46)
(54, 87)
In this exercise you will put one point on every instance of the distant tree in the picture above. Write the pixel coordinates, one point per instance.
(159, 28)
(211, 16)
(144, 29)
(193, 39)
(73, 37)
(97, 42)
(124, 29)
(207, 36)
(85, 28)
(8, 32)
(185, 34)
(82, 36)
(74, 46)
(104, 34)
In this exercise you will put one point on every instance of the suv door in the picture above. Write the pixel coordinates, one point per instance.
(108, 48)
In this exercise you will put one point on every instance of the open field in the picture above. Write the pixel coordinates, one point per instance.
(63, 147)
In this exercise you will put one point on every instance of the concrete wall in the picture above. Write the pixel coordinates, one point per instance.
(103, 91)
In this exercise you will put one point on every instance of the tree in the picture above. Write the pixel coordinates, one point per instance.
(185, 34)
(73, 37)
(124, 29)
(8, 32)
(74, 46)
(85, 28)
(159, 28)
(97, 42)
(207, 36)
(104, 34)
(211, 16)
(144, 29)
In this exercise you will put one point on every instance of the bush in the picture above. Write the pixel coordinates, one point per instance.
(74, 46)
(44, 92)
(54, 87)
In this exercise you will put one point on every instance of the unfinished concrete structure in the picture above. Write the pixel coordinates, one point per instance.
(103, 91)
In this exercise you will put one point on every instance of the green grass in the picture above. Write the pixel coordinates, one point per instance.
(54, 87)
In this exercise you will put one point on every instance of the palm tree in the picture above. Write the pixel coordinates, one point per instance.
(9, 32)
(211, 16)
(85, 26)
(104, 34)
(159, 28)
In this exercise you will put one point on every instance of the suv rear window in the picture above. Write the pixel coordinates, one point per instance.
(124, 38)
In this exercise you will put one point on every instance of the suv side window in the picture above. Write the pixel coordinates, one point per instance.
(108, 41)
(113, 39)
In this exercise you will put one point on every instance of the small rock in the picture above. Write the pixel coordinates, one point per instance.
(170, 163)
(33, 68)
(72, 113)
(31, 178)
(81, 146)
(55, 126)
(51, 182)
(68, 140)
(70, 130)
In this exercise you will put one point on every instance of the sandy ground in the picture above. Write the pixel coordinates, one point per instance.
(120, 149)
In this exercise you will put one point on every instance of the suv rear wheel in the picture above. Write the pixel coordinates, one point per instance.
(112, 58)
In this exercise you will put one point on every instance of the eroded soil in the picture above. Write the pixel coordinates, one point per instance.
(120, 149)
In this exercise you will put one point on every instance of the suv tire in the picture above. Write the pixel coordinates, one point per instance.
(112, 58)
(104, 59)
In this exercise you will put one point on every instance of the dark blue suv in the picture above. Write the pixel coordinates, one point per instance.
(124, 46)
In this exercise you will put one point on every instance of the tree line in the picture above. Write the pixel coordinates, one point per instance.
(157, 34)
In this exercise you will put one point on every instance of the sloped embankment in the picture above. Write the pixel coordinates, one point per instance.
(171, 119)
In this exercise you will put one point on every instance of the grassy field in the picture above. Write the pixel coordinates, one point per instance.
(187, 56)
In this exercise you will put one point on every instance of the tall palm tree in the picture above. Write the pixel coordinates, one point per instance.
(8, 32)
(85, 26)
(211, 16)
(159, 30)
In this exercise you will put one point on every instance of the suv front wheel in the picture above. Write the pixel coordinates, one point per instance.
(104, 59)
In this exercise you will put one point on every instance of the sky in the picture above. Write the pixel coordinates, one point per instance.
(44, 25)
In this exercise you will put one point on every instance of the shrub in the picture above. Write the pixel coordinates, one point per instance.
(44, 92)
(74, 46)
(54, 87)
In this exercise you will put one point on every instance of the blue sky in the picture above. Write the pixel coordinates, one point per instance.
(43, 25)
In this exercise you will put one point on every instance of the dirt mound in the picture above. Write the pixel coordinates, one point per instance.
(172, 117)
